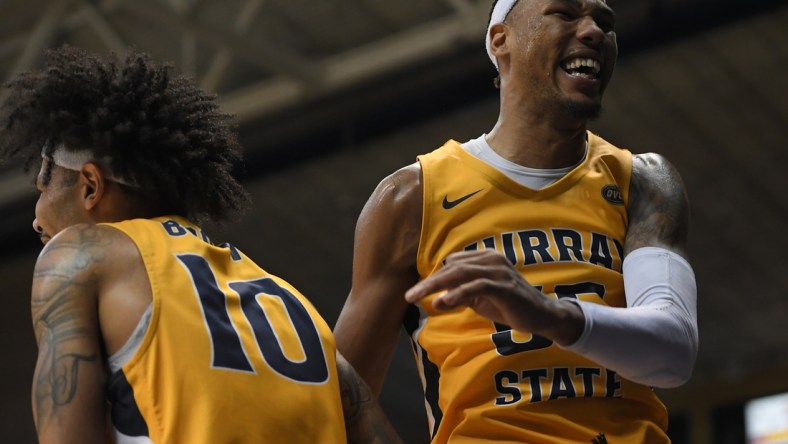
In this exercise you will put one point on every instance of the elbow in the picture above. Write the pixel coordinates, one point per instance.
(673, 377)
(671, 374)
(677, 366)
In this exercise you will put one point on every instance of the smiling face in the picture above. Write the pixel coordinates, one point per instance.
(562, 53)
(58, 205)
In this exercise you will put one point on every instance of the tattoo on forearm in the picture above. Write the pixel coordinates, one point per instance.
(56, 381)
(60, 370)
(64, 281)
(364, 420)
(354, 395)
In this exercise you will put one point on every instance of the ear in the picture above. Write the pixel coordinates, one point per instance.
(93, 185)
(498, 42)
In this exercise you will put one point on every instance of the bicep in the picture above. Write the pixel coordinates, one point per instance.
(67, 393)
(658, 206)
(384, 267)
(367, 331)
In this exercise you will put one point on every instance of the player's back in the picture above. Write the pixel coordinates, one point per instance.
(226, 353)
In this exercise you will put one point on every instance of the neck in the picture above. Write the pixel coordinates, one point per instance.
(119, 204)
(537, 133)
(538, 144)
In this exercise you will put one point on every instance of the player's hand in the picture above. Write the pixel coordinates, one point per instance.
(487, 282)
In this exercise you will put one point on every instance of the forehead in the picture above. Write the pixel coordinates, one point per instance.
(48, 171)
(591, 4)
(44, 170)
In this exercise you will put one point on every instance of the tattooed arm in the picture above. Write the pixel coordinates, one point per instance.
(365, 421)
(67, 394)
(658, 206)
(654, 340)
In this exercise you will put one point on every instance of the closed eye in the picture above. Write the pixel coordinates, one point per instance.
(605, 23)
(605, 19)
(606, 27)
(564, 15)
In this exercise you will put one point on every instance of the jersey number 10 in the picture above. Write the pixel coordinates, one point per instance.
(227, 350)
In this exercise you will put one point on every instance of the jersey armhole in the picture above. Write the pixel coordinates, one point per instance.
(143, 332)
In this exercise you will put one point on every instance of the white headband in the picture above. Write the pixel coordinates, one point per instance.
(73, 160)
(499, 13)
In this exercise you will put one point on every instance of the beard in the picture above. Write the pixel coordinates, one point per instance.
(584, 111)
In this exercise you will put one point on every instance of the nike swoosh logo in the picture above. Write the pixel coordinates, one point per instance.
(449, 204)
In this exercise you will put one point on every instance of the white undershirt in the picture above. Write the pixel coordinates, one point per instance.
(532, 178)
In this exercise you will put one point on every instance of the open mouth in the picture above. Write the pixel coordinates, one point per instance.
(582, 67)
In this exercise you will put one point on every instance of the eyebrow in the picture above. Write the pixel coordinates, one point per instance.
(605, 10)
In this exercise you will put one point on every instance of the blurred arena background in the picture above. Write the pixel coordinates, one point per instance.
(333, 95)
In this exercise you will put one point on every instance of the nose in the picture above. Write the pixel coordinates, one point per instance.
(589, 32)
(37, 227)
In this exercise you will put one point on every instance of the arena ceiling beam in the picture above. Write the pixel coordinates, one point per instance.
(41, 35)
(265, 57)
(220, 62)
(356, 65)
(105, 31)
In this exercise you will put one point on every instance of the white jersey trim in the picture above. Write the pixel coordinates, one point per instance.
(125, 353)
(120, 438)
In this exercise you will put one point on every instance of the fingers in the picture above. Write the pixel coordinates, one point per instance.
(461, 269)
(465, 295)
(486, 256)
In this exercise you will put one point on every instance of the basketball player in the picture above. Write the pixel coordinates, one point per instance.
(540, 271)
(138, 316)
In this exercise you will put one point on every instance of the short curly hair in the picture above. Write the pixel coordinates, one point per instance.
(160, 132)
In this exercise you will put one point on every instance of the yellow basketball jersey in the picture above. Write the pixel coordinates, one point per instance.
(231, 354)
(485, 382)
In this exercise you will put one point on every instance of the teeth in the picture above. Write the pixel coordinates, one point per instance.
(588, 63)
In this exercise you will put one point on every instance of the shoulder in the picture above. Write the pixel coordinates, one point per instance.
(403, 183)
(68, 275)
(658, 205)
(83, 242)
(85, 251)
(650, 162)
(89, 239)
(389, 226)
(399, 194)
(653, 174)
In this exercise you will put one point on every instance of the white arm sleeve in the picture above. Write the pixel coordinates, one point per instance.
(654, 341)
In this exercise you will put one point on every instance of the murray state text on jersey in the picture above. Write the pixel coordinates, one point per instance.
(531, 247)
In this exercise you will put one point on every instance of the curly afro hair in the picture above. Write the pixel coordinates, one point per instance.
(160, 132)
